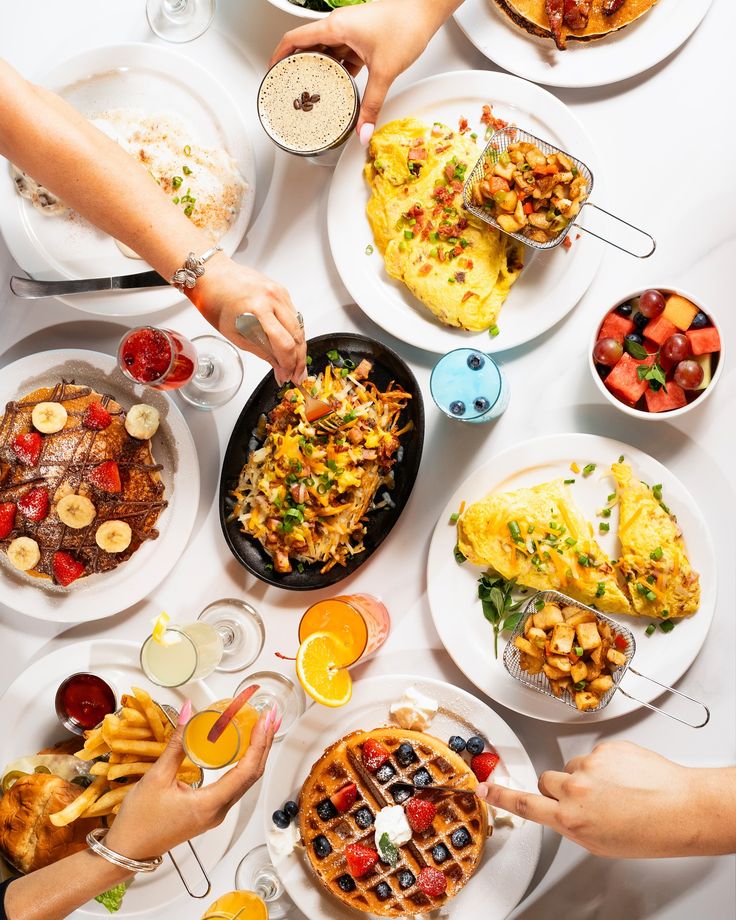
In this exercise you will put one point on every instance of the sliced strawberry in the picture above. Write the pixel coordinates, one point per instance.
(360, 859)
(229, 714)
(96, 417)
(432, 882)
(483, 765)
(375, 755)
(66, 568)
(27, 447)
(344, 798)
(420, 814)
(7, 519)
(35, 504)
(106, 476)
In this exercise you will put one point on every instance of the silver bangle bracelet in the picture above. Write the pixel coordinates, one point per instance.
(193, 268)
(94, 842)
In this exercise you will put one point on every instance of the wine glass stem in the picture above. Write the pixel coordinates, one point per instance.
(205, 367)
(227, 634)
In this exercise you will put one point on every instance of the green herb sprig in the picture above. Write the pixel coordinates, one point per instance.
(499, 607)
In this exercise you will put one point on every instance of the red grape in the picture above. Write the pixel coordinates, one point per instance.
(607, 351)
(689, 375)
(651, 304)
(676, 348)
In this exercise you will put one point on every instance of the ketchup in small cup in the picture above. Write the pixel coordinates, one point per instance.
(83, 701)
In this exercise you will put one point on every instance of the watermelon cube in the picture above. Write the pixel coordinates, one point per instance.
(659, 329)
(659, 401)
(679, 311)
(704, 341)
(616, 327)
(623, 381)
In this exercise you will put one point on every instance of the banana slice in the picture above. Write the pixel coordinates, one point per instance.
(142, 421)
(76, 511)
(24, 553)
(49, 417)
(114, 536)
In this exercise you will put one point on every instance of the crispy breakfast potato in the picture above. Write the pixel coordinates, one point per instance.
(575, 650)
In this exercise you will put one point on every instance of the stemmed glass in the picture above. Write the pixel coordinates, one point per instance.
(256, 873)
(180, 20)
(207, 370)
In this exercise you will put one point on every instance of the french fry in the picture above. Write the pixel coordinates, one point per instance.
(135, 732)
(138, 768)
(92, 738)
(93, 754)
(152, 749)
(110, 728)
(130, 702)
(151, 712)
(76, 808)
(100, 768)
(133, 716)
(105, 804)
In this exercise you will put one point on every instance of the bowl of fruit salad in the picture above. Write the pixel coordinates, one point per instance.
(657, 353)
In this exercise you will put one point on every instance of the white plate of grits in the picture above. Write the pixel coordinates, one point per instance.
(550, 284)
(170, 112)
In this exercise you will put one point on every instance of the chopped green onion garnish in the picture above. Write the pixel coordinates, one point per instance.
(621, 459)
(600, 590)
(578, 651)
(514, 531)
(571, 541)
(656, 554)
(333, 355)
(569, 482)
(584, 560)
(454, 518)
(176, 182)
(650, 629)
(493, 331)
(667, 626)
(187, 151)
(611, 497)
(604, 527)
(606, 513)
(588, 469)
(186, 170)
(651, 596)
(408, 234)
(369, 250)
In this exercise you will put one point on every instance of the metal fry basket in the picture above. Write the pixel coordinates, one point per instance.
(499, 142)
(540, 683)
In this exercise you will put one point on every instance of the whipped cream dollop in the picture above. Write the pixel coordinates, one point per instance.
(283, 842)
(414, 711)
(392, 820)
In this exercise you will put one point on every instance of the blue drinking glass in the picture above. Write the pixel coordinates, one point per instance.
(468, 385)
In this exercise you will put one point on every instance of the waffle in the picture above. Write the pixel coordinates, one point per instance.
(435, 764)
(65, 461)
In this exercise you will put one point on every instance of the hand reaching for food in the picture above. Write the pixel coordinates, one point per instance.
(385, 37)
(626, 802)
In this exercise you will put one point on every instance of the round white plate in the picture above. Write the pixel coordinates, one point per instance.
(29, 723)
(154, 79)
(456, 610)
(511, 854)
(552, 282)
(102, 595)
(618, 56)
(302, 12)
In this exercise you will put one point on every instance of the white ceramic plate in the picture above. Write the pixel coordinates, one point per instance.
(618, 56)
(511, 855)
(302, 12)
(551, 283)
(154, 79)
(102, 595)
(457, 613)
(29, 723)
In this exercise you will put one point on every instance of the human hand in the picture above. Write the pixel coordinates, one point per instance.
(386, 36)
(622, 801)
(161, 812)
(228, 289)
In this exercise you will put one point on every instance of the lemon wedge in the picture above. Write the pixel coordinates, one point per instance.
(159, 628)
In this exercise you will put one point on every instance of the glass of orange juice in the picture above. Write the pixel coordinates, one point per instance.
(245, 905)
(360, 622)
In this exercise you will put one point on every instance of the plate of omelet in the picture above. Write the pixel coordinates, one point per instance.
(595, 519)
(415, 261)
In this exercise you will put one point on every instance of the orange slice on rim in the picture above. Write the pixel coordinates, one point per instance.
(320, 667)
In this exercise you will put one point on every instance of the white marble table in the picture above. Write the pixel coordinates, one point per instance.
(656, 124)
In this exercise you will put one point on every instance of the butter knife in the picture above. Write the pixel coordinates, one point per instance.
(30, 289)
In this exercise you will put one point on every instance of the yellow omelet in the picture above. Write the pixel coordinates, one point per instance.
(459, 267)
(538, 536)
(653, 559)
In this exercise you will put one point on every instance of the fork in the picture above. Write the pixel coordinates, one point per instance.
(439, 792)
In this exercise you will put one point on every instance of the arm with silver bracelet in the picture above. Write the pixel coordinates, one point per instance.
(95, 841)
(186, 277)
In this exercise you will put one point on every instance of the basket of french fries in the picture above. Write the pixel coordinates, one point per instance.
(121, 750)
(577, 655)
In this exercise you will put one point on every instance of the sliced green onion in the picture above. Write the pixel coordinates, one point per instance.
(187, 151)
(186, 170)
(651, 596)
(493, 331)
(176, 182)
(514, 531)
(600, 590)
(454, 518)
(578, 651)
(650, 629)
(588, 469)
(656, 554)
(569, 482)
(667, 626)
(584, 560)
(604, 527)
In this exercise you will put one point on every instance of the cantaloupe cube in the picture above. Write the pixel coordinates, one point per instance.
(679, 311)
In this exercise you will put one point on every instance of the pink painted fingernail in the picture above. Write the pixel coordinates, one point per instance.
(269, 718)
(186, 713)
(277, 724)
(366, 133)
(481, 790)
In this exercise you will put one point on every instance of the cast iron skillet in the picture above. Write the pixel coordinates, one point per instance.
(387, 366)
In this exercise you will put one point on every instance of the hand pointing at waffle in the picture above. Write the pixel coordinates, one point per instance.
(624, 801)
